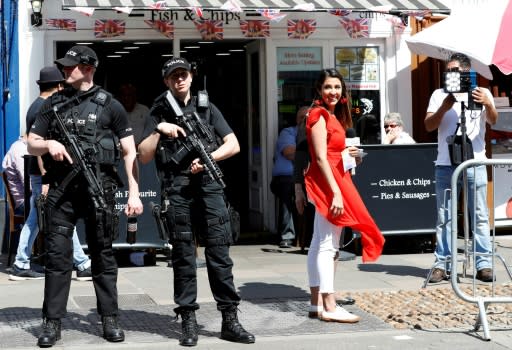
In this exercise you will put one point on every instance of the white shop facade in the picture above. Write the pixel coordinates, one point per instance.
(257, 70)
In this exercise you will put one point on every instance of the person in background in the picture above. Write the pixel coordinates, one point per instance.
(394, 130)
(50, 81)
(186, 185)
(137, 112)
(13, 165)
(443, 115)
(330, 188)
(99, 122)
(368, 129)
(282, 185)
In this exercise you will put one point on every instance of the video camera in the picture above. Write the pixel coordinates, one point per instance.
(456, 81)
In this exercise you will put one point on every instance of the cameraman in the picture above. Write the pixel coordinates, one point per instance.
(443, 114)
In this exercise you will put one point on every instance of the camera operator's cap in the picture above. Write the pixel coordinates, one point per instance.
(49, 75)
(173, 64)
(79, 54)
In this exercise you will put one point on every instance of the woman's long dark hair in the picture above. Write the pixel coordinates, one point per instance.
(342, 110)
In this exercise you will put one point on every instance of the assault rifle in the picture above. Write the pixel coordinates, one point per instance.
(83, 161)
(196, 132)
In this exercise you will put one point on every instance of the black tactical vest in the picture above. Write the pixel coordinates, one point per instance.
(80, 116)
(168, 148)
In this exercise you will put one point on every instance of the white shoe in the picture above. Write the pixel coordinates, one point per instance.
(315, 311)
(340, 315)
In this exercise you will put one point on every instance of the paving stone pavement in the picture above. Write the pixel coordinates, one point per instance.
(19, 326)
(435, 308)
(396, 313)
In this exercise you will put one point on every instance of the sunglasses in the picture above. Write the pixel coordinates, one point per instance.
(180, 74)
(392, 126)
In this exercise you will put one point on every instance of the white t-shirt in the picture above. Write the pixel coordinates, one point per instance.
(403, 139)
(475, 124)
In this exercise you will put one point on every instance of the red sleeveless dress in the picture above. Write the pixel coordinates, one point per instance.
(355, 214)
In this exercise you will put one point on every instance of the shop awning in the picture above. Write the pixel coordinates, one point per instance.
(249, 5)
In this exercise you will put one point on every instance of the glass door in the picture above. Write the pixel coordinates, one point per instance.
(297, 70)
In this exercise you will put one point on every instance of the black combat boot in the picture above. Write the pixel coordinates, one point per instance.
(188, 328)
(50, 334)
(111, 329)
(232, 330)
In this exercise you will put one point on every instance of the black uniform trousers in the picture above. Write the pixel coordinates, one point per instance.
(61, 219)
(198, 205)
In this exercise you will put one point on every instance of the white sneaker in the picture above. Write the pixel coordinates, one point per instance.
(340, 315)
(315, 311)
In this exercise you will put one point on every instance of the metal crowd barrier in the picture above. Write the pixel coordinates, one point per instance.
(469, 249)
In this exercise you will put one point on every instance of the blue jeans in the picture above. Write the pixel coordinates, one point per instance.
(30, 230)
(283, 188)
(477, 207)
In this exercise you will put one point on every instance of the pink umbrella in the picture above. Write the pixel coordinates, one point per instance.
(483, 33)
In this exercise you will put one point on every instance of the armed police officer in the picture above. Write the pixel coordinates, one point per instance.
(81, 133)
(190, 180)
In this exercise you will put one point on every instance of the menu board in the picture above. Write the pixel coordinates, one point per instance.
(397, 185)
(359, 67)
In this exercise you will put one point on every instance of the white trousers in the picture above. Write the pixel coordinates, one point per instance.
(322, 250)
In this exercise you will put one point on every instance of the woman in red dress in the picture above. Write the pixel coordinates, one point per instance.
(337, 202)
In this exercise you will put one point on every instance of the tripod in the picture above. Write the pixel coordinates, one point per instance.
(466, 154)
(463, 131)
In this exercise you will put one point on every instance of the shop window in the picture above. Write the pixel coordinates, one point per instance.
(360, 69)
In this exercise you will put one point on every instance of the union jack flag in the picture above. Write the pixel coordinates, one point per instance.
(107, 28)
(356, 28)
(62, 24)
(209, 29)
(419, 15)
(340, 13)
(166, 28)
(271, 14)
(301, 28)
(255, 28)
(397, 24)
(231, 6)
(158, 5)
(197, 10)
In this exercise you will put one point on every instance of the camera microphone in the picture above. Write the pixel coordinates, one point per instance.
(352, 140)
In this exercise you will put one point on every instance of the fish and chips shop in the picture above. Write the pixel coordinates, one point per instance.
(257, 60)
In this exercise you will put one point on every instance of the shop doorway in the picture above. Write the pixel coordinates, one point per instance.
(221, 69)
